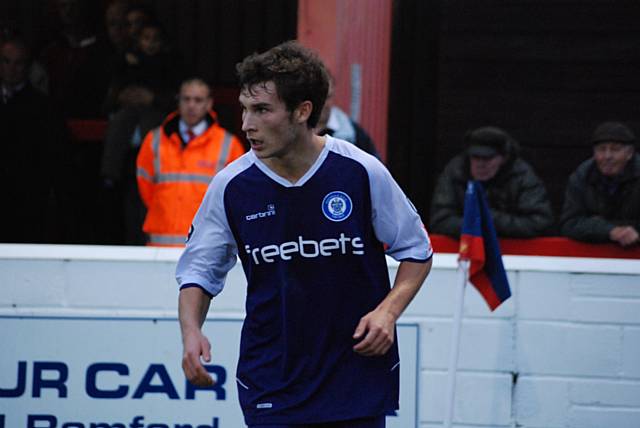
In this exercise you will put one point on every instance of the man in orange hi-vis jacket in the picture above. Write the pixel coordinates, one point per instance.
(177, 161)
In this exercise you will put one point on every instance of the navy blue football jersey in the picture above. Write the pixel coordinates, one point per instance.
(313, 254)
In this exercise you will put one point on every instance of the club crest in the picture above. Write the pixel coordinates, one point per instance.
(337, 206)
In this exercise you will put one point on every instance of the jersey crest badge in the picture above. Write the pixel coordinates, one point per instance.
(337, 206)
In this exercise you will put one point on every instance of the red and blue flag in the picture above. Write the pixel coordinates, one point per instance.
(479, 245)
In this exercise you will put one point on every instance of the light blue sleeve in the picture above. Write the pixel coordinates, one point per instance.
(396, 221)
(211, 249)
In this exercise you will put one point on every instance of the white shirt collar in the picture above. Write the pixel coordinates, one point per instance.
(307, 175)
(198, 129)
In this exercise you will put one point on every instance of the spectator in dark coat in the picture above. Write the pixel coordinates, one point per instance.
(34, 163)
(77, 62)
(517, 198)
(602, 200)
(116, 26)
(142, 93)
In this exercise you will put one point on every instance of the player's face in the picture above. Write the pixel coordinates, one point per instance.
(194, 102)
(268, 124)
(611, 158)
(485, 168)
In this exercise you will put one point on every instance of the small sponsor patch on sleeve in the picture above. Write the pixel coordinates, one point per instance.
(264, 405)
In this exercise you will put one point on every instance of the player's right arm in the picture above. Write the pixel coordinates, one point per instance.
(193, 306)
(210, 252)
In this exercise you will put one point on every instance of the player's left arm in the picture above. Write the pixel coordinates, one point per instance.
(396, 223)
(376, 330)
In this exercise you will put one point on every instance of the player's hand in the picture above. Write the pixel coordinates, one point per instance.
(375, 332)
(624, 235)
(196, 345)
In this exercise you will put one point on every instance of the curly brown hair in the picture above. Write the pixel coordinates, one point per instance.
(297, 72)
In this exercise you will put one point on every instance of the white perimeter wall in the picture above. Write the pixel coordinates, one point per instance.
(564, 351)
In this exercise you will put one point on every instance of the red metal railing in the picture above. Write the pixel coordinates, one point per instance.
(548, 246)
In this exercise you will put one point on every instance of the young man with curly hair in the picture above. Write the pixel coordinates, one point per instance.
(310, 218)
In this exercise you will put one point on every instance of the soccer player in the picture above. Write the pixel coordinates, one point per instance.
(310, 218)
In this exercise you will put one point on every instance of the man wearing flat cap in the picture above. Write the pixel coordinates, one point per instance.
(602, 199)
(517, 197)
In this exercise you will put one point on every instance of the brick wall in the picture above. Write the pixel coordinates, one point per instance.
(563, 352)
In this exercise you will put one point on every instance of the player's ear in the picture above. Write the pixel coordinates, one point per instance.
(303, 111)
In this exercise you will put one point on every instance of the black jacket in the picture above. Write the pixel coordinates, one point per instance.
(35, 168)
(517, 199)
(590, 211)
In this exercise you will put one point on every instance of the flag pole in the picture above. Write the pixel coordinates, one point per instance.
(463, 273)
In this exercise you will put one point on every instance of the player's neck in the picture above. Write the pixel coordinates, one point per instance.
(299, 159)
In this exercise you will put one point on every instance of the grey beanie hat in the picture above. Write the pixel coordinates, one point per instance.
(487, 141)
(613, 132)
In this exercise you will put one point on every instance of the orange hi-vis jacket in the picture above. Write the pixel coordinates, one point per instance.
(173, 177)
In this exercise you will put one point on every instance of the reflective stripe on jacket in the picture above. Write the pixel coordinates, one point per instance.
(173, 177)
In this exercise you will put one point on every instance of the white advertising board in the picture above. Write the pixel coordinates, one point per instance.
(91, 372)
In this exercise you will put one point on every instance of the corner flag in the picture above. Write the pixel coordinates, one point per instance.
(478, 243)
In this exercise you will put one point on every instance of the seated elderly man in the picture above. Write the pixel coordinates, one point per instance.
(517, 197)
(602, 200)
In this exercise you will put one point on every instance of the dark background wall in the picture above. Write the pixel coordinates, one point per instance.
(545, 70)
(413, 98)
(210, 35)
(215, 35)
